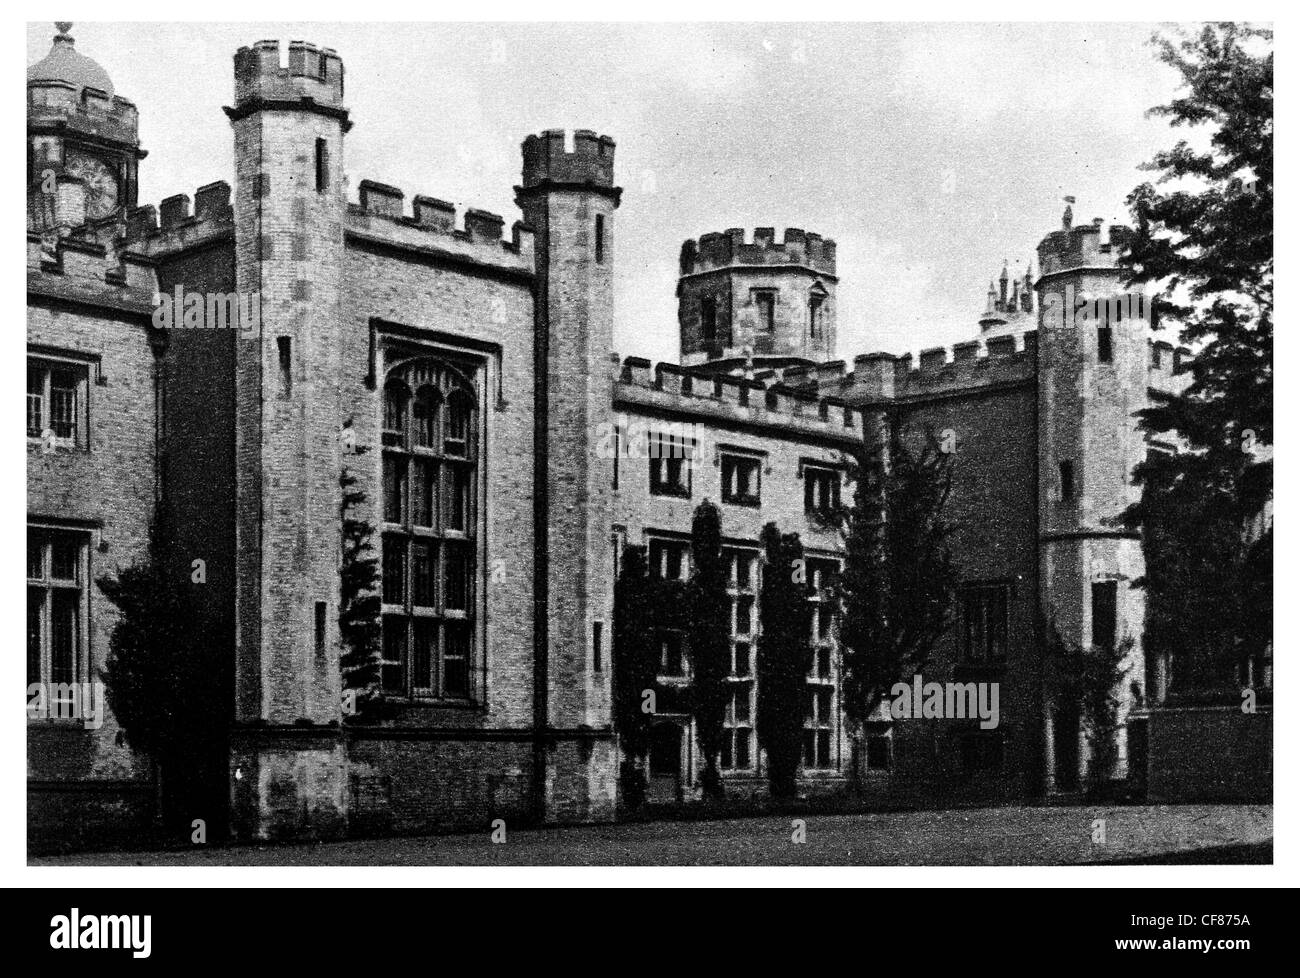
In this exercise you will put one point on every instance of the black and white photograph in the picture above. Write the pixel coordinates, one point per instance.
(587, 443)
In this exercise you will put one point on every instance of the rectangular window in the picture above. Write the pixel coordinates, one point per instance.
(321, 607)
(285, 348)
(1103, 344)
(670, 463)
(1067, 481)
(600, 238)
(765, 304)
(669, 559)
(56, 396)
(56, 593)
(1105, 596)
(821, 491)
(708, 321)
(820, 721)
(619, 437)
(597, 653)
(814, 315)
(738, 721)
(984, 623)
(741, 477)
(672, 654)
(322, 165)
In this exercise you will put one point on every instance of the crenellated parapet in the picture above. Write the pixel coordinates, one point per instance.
(380, 213)
(733, 399)
(84, 110)
(172, 225)
(312, 73)
(548, 160)
(1082, 247)
(729, 248)
(876, 377)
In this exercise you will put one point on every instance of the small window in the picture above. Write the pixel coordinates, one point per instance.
(741, 477)
(322, 165)
(814, 315)
(1067, 481)
(284, 345)
(765, 303)
(1103, 344)
(597, 654)
(56, 397)
(708, 320)
(984, 623)
(672, 656)
(600, 238)
(821, 491)
(1104, 601)
(669, 559)
(670, 463)
(321, 607)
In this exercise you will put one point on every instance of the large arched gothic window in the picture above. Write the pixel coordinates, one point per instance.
(430, 562)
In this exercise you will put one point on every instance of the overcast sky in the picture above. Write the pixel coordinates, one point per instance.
(929, 152)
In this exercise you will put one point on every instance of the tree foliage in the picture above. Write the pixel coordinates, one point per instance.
(634, 664)
(784, 658)
(360, 623)
(1205, 235)
(709, 639)
(896, 588)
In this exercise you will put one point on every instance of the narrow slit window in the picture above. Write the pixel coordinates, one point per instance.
(285, 348)
(597, 653)
(322, 166)
(320, 629)
(600, 238)
(1067, 481)
(1104, 351)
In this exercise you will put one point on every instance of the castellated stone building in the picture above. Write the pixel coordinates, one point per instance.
(463, 373)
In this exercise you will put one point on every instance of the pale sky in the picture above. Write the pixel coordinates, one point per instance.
(929, 152)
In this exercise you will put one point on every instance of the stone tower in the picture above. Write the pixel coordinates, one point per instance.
(761, 303)
(287, 759)
(1093, 358)
(569, 198)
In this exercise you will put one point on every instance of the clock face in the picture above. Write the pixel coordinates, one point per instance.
(101, 184)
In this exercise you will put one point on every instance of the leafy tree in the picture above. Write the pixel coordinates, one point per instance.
(1092, 680)
(709, 637)
(1205, 234)
(360, 624)
(634, 666)
(896, 588)
(785, 657)
(162, 675)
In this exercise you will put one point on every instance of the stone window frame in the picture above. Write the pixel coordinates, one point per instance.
(469, 373)
(729, 454)
(45, 585)
(43, 367)
(742, 682)
(822, 682)
(966, 643)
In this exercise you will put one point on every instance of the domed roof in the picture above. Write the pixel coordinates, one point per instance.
(64, 64)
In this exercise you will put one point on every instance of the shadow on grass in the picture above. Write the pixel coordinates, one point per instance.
(1246, 853)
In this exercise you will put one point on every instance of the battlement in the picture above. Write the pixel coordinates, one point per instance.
(312, 73)
(1082, 247)
(729, 248)
(546, 160)
(941, 370)
(85, 109)
(173, 216)
(381, 211)
(726, 397)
